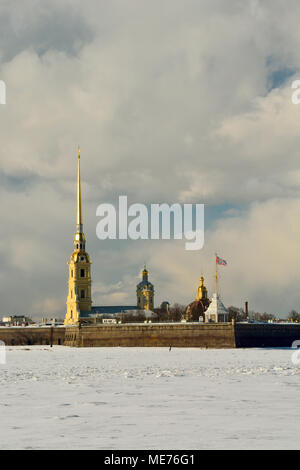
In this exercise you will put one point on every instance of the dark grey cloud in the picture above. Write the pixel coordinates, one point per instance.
(19, 183)
(41, 26)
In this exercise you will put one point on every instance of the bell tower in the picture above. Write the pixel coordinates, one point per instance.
(79, 299)
(145, 293)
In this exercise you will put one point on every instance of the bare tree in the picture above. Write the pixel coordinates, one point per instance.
(294, 316)
(176, 312)
(236, 314)
(162, 315)
(261, 316)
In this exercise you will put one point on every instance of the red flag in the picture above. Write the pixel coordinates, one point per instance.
(221, 261)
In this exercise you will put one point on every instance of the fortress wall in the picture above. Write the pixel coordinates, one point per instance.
(251, 335)
(153, 335)
(18, 336)
(222, 335)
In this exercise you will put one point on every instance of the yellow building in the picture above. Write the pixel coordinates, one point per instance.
(145, 293)
(79, 298)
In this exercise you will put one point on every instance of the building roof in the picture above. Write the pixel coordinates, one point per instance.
(144, 283)
(216, 307)
(108, 309)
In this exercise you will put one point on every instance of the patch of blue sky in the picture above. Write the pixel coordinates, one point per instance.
(278, 75)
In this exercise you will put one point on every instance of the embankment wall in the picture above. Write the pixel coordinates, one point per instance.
(177, 335)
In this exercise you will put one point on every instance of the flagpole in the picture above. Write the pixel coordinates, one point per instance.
(216, 275)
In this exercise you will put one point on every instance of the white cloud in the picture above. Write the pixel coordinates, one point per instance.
(170, 102)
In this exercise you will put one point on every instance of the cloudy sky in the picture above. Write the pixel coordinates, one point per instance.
(171, 101)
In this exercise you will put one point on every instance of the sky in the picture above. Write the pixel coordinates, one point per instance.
(171, 101)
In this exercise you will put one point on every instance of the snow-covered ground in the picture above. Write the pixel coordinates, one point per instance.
(148, 398)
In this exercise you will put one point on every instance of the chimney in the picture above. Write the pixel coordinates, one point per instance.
(246, 309)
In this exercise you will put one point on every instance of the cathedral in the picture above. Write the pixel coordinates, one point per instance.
(205, 310)
(79, 298)
(195, 311)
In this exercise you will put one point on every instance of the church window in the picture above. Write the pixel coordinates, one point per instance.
(82, 274)
(82, 294)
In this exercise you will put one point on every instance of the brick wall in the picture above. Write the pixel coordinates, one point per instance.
(153, 335)
(198, 335)
(30, 336)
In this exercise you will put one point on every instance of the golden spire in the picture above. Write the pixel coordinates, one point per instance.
(79, 210)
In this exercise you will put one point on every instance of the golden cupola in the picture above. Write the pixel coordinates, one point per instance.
(195, 311)
(201, 291)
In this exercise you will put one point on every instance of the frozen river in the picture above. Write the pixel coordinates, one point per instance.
(149, 398)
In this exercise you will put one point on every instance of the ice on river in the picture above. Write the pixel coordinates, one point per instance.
(149, 398)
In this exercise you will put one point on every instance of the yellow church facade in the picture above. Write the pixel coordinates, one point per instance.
(79, 286)
(79, 297)
(145, 293)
